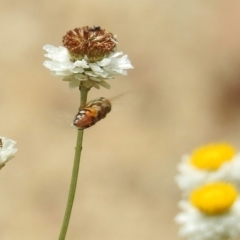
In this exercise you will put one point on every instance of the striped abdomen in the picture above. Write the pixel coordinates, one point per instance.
(92, 112)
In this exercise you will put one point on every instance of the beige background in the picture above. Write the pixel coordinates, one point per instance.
(185, 91)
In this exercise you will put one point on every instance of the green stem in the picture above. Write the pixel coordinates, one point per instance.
(73, 185)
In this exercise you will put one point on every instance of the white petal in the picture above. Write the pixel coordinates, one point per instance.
(124, 62)
(81, 77)
(104, 62)
(95, 67)
(95, 84)
(91, 73)
(81, 63)
(59, 54)
(61, 73)
(190, 177)
(77, 70)
(58, 66)
(104, 84)
(74, 83)
(7, 151)
(118, 65)
(102, 74)
(117, 54)
(82, 70)
(198, 226)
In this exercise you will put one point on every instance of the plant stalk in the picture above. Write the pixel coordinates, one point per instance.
(75, 170)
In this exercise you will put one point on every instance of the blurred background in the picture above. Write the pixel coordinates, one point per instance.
(185, 92)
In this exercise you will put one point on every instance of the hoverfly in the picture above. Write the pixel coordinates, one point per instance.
(92, 112)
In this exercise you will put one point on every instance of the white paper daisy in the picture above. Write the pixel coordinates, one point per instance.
(212, 213)
(88, 56)
(7, 150)
(213, 162)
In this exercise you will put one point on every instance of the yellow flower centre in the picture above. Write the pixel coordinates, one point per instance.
(214, 198)
(212, 156)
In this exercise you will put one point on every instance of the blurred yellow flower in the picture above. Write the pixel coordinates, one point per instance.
(211, 213)
(213, 162)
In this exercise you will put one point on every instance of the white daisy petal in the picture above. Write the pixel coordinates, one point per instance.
(61, 73)
(116, 54)
(124, 62)
(104, 62)
(58, 66)
(59, 54)
(102, 75)
(91, 74)
(104, 84)
(81, 63)
(198, 226)
(190, 177)
(74, 83)
(7, 150)
(85, 64)
(95, 67)
(95, 84)
(77, 70)
(61, 64)
(81, 77)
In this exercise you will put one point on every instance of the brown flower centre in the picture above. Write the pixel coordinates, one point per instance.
(94, 42)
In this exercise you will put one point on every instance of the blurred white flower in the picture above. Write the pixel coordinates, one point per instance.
(88, 56)
(214, 162)
(212, 213)
(7, 150)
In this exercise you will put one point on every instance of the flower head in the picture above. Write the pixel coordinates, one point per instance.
(212, 213)
(213, 162)
(89, 57)
(212, 156)
(93, 42)
(214, 198)
(7, 150)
